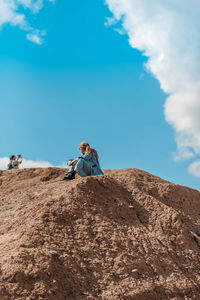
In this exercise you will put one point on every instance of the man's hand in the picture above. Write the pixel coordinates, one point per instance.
(71, 162)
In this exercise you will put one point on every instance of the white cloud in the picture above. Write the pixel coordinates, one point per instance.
(34, 6)
(110, 21)
(194, 168)
(36, 37)
(4, 161)
(168, 33)
(35, 164)
(10, 13)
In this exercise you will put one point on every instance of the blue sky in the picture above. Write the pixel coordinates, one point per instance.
(84, 82)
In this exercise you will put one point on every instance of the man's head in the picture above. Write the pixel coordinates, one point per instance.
(83, 147)
(13, 157)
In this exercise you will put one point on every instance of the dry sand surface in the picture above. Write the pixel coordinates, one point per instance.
(125, 235)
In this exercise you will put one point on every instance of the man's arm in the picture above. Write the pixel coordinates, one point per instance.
(19, 159)
(71, 162)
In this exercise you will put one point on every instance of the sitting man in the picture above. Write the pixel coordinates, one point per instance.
(85, 165)
(15, 162)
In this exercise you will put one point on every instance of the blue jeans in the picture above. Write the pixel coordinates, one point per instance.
(83, 167)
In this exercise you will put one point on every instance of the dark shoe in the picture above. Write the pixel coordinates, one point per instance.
(69, 175)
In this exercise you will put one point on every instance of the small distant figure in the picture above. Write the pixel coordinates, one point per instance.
(85, 165)
(15, 162)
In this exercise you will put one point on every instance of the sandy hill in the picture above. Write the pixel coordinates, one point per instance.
(125, 235)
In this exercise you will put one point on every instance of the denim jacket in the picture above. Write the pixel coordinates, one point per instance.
(93, 161)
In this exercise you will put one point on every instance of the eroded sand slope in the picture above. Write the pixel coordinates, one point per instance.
(124, 235)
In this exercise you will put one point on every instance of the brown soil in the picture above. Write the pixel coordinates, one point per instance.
(125, 235)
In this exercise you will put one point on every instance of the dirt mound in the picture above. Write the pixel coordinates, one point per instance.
(124, 235)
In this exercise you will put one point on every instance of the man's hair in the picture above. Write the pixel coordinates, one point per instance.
(12, 156)
(87, 149)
